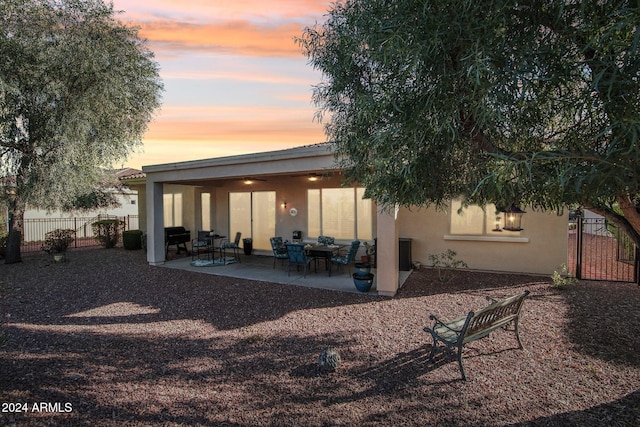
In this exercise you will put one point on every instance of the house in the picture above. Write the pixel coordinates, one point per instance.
(281, 192)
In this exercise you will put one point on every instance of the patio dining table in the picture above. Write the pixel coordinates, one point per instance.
(326, 252)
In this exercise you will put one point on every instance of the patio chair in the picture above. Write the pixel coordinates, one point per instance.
(235, 246)
(326, 240)
(201, 245)
(279, 250)
(298, 257)
(347, 258)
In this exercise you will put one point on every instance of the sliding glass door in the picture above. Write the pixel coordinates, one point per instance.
(254, 215)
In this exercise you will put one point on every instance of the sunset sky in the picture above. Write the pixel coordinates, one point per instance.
(235, 80)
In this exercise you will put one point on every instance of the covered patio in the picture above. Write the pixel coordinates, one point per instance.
(287, 193)
(260, 267)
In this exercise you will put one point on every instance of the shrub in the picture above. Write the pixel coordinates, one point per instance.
(562, 279)
(445, 263)
(58, 240)
(132, 239)
(3, 243)
(107, 231)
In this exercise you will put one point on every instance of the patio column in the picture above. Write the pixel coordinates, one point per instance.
(387, 269)
(155, 222)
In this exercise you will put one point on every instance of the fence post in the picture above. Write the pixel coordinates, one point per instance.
(579, 245)
(636, 265)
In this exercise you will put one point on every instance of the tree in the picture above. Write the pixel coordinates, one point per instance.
(533, 103)
(77, 90)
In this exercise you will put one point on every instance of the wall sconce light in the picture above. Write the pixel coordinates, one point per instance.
(313, 177)
(497, 227)
(283, 205)
(248, 181)
(513, 218)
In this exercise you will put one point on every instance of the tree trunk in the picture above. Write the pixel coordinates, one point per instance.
(16, 228)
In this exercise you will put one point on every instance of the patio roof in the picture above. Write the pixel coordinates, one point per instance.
(317, 158)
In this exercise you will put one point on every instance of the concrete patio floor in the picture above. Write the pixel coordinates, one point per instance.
(260, 267)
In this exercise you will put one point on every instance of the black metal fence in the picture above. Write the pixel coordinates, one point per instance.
(35, 230)
(599, 250)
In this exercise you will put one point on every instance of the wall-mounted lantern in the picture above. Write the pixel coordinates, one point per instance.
(498, 221)
(513, 218)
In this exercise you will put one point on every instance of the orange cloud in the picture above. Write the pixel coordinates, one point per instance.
(237, 129)
(238, 37)
(206, 9)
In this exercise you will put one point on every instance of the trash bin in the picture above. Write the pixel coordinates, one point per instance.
(247, 245)
(404, 254)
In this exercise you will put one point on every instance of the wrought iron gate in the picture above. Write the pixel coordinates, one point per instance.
(599, 250)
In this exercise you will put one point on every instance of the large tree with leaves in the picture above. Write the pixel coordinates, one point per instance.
(502, 101)
(77, 90)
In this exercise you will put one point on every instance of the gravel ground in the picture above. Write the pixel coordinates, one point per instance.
(106, 340)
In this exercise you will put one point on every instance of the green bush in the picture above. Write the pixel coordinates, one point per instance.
(3, 243)
(445, 263)
(563, 279)
(132, 239)
(58, 240)
(107, 231)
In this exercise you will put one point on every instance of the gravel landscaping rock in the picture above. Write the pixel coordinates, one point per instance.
(107, 340)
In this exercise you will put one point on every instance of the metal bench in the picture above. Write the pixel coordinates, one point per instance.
(178, 236)
(475, 325)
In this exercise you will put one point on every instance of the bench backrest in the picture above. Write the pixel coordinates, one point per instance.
(494, 316)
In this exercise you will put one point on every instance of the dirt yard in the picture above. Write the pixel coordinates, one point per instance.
(106, 340)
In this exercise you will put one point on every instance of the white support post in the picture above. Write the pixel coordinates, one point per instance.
(387, 268)
(155, 223)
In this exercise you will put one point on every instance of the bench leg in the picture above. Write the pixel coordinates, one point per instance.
(515, 324)
(464, 377)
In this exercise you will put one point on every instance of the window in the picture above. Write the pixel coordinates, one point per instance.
(205, 210)
(254, 215)
(473, 220)
(339, 212)
(172, 209)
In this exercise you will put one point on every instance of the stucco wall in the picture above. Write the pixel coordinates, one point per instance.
(543, 252)
(293, 190)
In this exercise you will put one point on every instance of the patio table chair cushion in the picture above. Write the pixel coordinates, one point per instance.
(298, 257)
(201, 245)
(279, 249)
(235, 246)
(326, 240)
(349, 257)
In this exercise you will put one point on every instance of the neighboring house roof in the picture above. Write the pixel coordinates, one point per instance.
(129, 173)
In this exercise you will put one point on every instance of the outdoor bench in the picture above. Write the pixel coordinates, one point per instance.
(178, 236)
(475, 325)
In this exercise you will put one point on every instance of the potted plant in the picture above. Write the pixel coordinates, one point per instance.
(370, 249)
(363, 283)
(57, 242)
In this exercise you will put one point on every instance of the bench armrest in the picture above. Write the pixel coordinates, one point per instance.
(491, 300)
(437, 322)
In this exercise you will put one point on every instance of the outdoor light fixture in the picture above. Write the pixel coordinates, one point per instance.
(513, 218)
(497, 227)
(248, 181)
(284, 204)
(313, 177)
